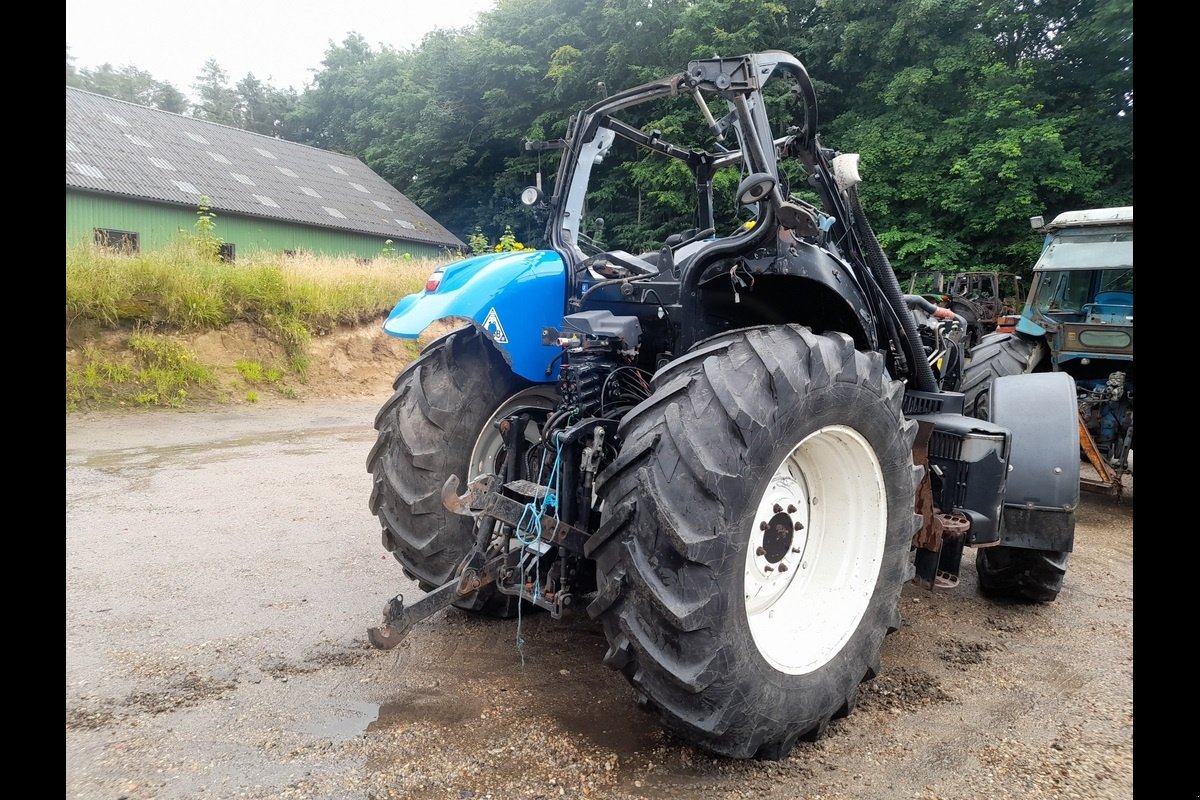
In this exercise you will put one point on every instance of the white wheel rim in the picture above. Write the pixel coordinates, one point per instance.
(815, 548)
(489, 442)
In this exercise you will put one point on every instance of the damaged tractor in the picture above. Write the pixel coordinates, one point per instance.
(731, 447)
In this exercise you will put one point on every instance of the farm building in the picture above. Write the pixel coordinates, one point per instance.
(136, 176)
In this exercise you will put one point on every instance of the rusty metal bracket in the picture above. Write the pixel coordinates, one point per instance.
(398, 620)
(1110, 480)
(472, 574)
(483, 498)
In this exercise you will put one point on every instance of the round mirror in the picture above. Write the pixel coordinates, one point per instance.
(531, 195)
(754, 187)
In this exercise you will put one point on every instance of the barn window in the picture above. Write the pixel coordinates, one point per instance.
(227, 252)
(123, 241)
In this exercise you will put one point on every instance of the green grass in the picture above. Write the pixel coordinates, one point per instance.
(291, 296)
(158, 371)
(181, 289)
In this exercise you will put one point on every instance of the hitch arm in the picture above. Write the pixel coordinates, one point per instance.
(483, 500)
(398, 620)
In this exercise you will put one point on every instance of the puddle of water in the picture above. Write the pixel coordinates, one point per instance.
(354, 718)
(625, 731)
(431, 706)
(349, 720)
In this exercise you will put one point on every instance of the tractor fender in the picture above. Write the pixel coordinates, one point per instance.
(1042, 491)
(1030, 328)
(511, 296)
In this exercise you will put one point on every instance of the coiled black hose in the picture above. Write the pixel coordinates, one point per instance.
(878, 261)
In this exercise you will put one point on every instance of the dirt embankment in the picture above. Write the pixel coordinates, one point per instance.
(344, 363)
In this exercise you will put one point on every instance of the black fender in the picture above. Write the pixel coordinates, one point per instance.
(800, 283)
(1042, 491)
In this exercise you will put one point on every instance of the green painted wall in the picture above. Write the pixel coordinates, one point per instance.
(158, 225)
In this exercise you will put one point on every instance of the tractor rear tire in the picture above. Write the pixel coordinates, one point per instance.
(757, 531)
(1017, 573)
(438, 422)
(995, 356)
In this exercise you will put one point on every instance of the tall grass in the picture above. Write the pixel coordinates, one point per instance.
(183, 289)
(178, 288)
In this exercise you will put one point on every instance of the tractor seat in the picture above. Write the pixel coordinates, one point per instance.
(1114, 299)
(1110, 307)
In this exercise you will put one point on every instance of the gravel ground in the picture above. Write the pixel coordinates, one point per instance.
(222, 568)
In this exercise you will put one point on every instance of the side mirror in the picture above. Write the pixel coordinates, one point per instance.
(755, 187)
(531, 196)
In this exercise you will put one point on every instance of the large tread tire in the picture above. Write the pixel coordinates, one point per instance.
(680, 503)
(1034, 576)
(427, 431)
(995, 356)
(1016, 573)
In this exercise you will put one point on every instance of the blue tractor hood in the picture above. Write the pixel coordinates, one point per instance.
(510, 295)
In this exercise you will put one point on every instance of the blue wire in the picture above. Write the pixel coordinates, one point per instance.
(536, 510)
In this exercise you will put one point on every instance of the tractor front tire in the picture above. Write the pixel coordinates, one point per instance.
(757, 531)
(438, 423)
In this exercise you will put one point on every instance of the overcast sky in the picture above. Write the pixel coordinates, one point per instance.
(281, 41)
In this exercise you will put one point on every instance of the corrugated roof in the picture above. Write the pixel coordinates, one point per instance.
(125, 149)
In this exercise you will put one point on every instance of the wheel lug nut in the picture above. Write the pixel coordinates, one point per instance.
(762, 526)
(777, 508)
(783, 567)
(768, 568)
(796, 550)
(799, 526)
(791, 509)
(762, 551)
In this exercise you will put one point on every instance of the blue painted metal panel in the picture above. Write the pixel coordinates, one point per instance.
(511, 295)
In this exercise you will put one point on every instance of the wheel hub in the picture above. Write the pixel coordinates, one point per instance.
(777, 542)
(814, 549)
(777, 538)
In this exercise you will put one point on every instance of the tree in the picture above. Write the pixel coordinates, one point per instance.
(73, 77)
(963, 130)
(127, 83)
(218, 101)
(261, 107)
(970, 115)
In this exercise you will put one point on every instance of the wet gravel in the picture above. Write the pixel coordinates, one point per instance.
(222, 568)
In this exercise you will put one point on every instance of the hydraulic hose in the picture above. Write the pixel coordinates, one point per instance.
(934, 310)
(878, 261)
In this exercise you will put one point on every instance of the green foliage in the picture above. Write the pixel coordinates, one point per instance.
(389, 251)
(508, 242)
(160, 373)
(251, 371)
(127, 83)
(178, 290)
(970, 115)
(959, 126)
(205, 238)
(174, 287)
(250, 104)
(478, 242)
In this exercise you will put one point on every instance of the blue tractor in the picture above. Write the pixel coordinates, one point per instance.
(1077, 321)
(731, 446)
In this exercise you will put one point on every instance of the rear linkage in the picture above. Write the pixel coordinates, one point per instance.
(485, 500)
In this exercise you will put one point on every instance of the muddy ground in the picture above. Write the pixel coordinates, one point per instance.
(222, 568)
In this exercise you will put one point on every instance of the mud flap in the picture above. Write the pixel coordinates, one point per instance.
(1042, 491)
